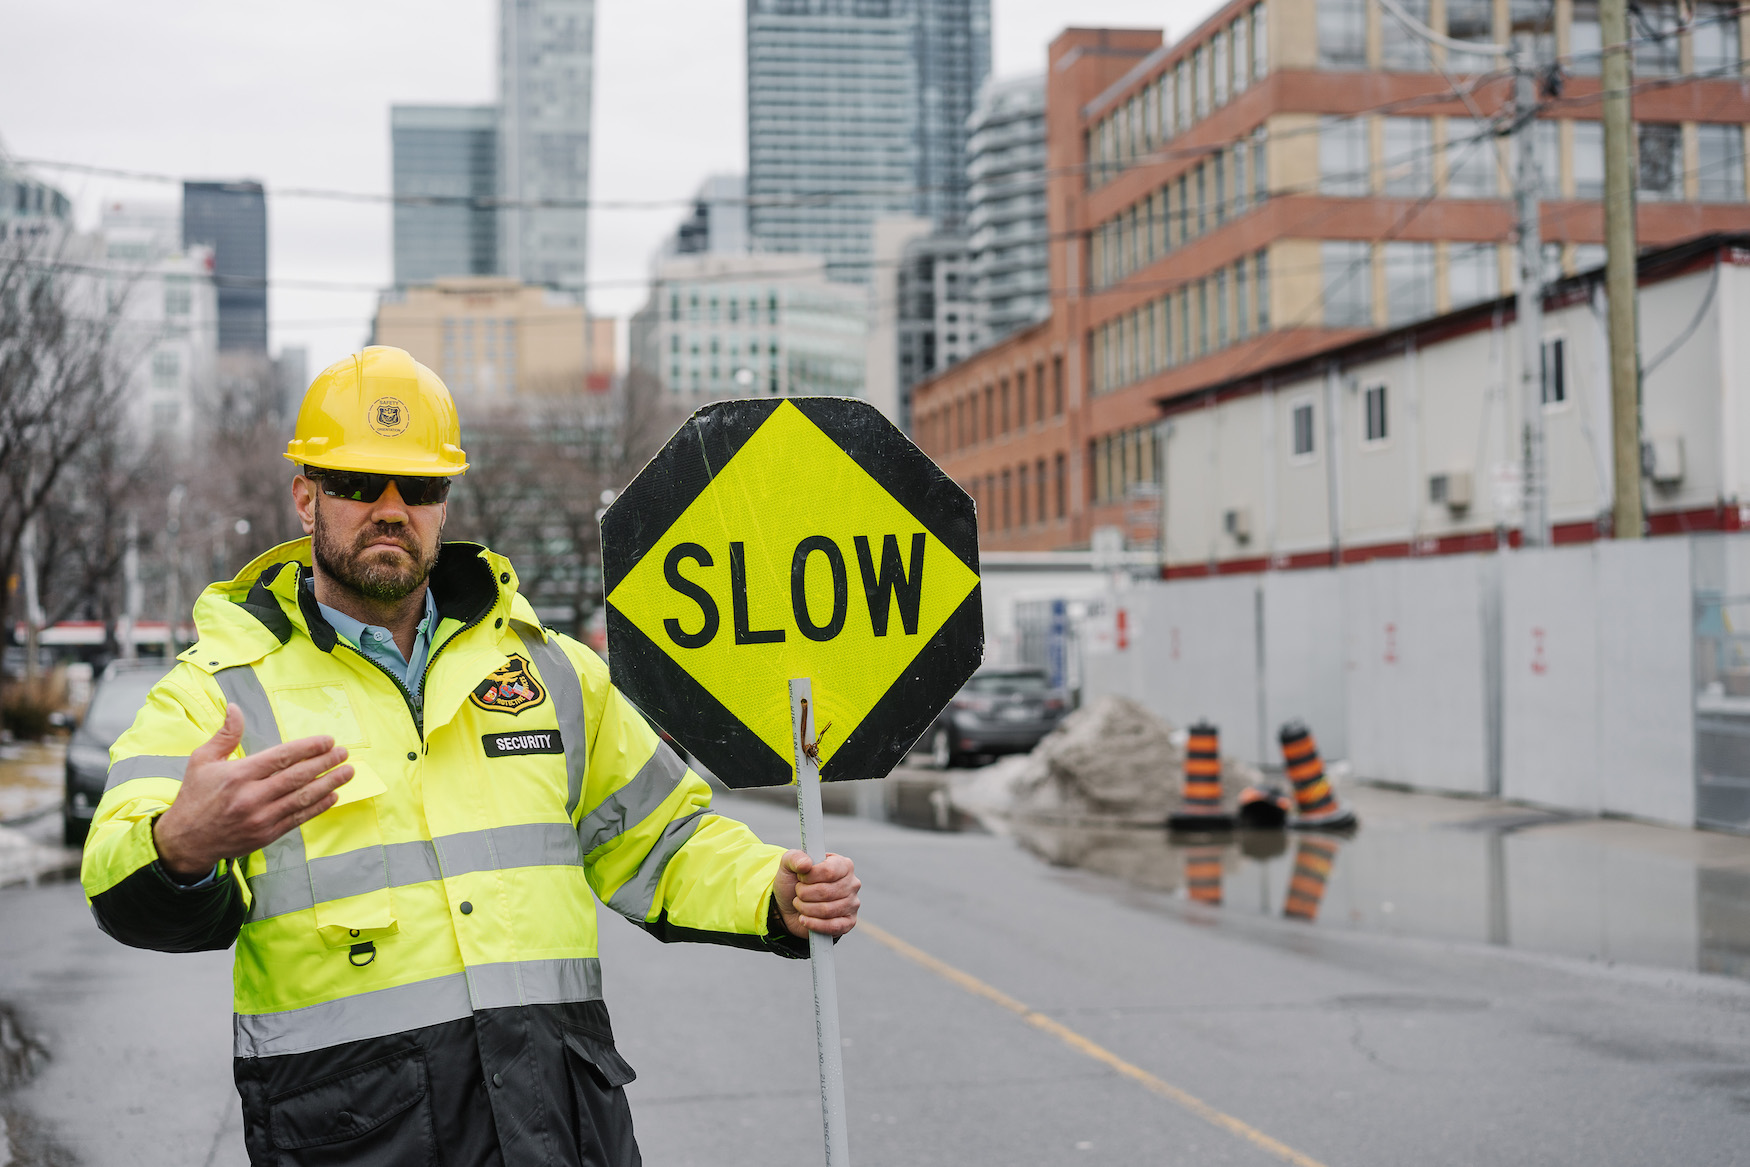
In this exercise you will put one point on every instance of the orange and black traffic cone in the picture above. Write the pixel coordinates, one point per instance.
(1203, 874)
(1264, 808)
(1315, 804)
(1200, 810)
(1313, 858)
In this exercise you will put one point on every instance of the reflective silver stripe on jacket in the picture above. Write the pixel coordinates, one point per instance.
(145, 766)
(560, 677)
(633, 899)
(634, 802)
(333, 877)
(404, 1007)
(283, 858)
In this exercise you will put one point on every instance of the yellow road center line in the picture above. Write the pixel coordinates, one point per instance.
(1099, 1053)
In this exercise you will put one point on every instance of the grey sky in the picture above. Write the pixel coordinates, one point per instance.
(299, 96)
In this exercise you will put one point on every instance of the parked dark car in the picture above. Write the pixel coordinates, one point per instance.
(118, 696)
(1001, 710)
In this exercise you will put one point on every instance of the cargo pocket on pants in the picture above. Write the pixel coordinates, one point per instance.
(602, 1115)
(379, 1113)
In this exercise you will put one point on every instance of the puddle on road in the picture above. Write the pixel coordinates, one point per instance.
(31, 777)
(1512, 876)
(1531, 881)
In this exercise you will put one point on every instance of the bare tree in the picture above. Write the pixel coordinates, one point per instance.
(62, 374)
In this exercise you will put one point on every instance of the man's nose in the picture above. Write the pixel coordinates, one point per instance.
(389, 508)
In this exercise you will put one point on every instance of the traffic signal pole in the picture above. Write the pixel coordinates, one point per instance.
(1534, 526)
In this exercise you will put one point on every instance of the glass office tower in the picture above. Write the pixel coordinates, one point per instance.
(447, 152)
(858, 108)
(231, 218)
(546, 66)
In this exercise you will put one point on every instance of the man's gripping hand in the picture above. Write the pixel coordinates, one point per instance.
(228, 807)
(816, 897)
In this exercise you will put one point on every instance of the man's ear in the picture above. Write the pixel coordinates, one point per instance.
(304, 498)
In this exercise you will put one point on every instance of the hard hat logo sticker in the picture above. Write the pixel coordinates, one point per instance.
(388, 417)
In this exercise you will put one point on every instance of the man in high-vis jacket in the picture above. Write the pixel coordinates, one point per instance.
(398, 795)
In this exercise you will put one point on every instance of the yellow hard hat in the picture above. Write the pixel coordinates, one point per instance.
(379, 412)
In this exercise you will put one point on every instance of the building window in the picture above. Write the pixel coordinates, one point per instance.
(1470, 20)
(1661, 161)
(1342, 31)
(1408, 165)
(1021, 494)
(1242, 301)
(1039, 486)
(1260, 43)
(1555, 370)
(1346, 267)
(1221, 332)
(1720, 166)
(1261, 262)
(178, 297)
(1039, 391)
(1057, 386)
(1409, 281)
(1653, 30)
(1200, 79)
(1218, 65)
(1473, 273)
(1714, 40)
(1470, 160)
(1373, 406)
(1401, 50)
(1182, 83)
(1060, 476)
(1300, 418)
(1008, 513)
(1344, 166)
(1588, 160)
(1260, 171)
(1203, 321)
(1242, 54)
(1585, 40)
(166, 369)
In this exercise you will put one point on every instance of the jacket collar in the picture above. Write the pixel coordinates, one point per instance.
(243, 619)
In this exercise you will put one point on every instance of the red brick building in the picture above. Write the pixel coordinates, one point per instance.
(1288, 177)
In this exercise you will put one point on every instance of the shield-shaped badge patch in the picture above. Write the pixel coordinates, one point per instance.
(511, 688)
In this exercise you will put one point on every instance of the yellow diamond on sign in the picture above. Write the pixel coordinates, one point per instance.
(794, 562)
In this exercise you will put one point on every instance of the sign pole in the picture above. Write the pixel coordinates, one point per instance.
(805, 737)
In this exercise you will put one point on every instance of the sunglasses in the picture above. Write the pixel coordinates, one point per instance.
(360, 487)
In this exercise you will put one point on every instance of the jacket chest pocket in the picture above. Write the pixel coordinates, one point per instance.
(349, 867)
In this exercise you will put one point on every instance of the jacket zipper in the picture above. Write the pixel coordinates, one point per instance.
(400, 687)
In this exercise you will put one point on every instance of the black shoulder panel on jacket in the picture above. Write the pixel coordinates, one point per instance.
(147, 910)
(265, 606)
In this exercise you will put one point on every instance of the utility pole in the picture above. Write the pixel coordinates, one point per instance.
(1619, 271)
(131, 594)
(1534, 526)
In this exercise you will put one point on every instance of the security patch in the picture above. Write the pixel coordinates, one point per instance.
(504, 745)
(510, 689)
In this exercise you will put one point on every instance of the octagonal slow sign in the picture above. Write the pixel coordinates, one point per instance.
(803, 537)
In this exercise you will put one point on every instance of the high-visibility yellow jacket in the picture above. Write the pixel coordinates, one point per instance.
(435, 931)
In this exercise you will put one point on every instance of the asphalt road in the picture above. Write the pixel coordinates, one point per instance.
(1163, 1033)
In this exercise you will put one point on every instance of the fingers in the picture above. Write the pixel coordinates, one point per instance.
(308, 800)
(797, 862)
(270, 761)
(218, 747)
(283, 782)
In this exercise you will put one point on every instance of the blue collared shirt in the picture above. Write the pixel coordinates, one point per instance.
(378, 644)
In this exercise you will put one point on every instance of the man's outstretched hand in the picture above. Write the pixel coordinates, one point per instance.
(228, 807)
(817, 897)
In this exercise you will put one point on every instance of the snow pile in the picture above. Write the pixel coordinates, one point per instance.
(1110, 760)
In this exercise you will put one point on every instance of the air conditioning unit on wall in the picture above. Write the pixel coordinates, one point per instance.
(1453, 489)
(1238, 523)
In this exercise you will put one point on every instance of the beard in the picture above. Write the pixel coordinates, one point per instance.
(373, 573)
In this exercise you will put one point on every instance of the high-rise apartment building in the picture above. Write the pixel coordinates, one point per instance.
(1005, 224)
(450, 153)
(231, 218)
(717, 224)
(546, 70)
(1290, 176)
(855, 110)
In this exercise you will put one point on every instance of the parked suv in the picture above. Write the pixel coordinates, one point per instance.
(1001, 710)
(119, 694)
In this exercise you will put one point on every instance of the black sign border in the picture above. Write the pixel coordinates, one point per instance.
(655, 500)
